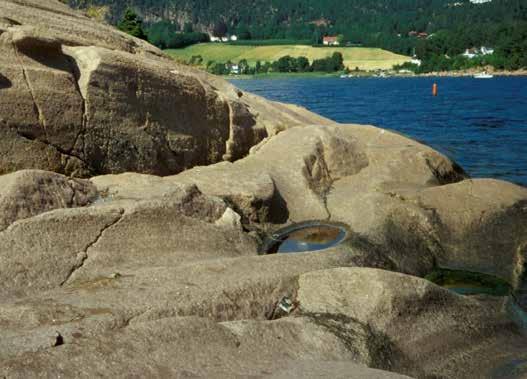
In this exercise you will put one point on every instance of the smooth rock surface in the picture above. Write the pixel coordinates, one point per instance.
(154, 256)
(28, 193)
(134, 274)
(83, 98)
(402, 312)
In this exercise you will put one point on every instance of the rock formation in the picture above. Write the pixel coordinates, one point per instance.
(82, 98)
(133, 274)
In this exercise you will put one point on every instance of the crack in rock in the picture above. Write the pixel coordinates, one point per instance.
(83, 255)
(38, 111)
(230, 141)
(59, 149)
(68, 153)
(75, 71)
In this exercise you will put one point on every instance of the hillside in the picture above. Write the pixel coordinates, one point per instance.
(371, 23)
(434, 30)
(363, 58)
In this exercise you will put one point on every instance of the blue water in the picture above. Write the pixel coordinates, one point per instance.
(295, 243)
(480, 123)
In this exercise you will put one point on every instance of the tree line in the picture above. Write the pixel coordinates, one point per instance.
(165, 35)
(443, 51)
(286, 64)
(446, 28)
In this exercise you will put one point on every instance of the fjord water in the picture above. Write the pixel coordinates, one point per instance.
(480, 123)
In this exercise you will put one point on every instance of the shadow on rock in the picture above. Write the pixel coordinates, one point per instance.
(47, 52)
(368, 346)
(279, 213)
(5, 82)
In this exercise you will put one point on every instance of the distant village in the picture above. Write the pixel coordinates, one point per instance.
(470, 53)
(232, 38)
(327, 41)
(333, 41)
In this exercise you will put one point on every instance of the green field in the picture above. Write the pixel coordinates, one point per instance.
(362, 57)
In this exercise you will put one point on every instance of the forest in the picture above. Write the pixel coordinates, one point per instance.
(285, 64)
(436, 31)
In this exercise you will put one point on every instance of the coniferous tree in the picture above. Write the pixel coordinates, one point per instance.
(132, 24)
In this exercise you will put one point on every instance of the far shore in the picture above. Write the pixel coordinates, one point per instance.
(281, 75)
(368, 74)
(473, 72)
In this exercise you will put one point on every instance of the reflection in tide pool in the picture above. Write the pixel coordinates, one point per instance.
(305, 237)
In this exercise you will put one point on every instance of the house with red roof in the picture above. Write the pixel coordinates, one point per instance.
(330, 41)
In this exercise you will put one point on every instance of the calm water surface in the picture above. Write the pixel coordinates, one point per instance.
(481, 124)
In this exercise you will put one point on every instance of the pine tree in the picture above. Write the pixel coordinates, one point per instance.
(132, 24)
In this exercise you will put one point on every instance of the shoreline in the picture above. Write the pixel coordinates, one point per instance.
(282, 75)
(522, 72)
(318, 75)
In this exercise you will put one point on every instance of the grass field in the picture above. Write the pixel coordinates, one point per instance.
(362, 57)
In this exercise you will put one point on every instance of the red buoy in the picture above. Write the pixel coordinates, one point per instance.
(434, 89)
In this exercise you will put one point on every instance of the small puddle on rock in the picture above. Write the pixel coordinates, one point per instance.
(303, 237)
(469, 283)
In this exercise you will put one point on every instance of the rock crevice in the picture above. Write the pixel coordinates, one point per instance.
(83, 255)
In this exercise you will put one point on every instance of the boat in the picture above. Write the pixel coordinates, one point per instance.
(483, 75)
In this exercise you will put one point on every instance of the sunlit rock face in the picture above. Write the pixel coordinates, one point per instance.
(165, 275)
(81, 98)
(171, 261)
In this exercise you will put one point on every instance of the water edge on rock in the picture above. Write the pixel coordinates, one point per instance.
(304, 237)
(469, 282)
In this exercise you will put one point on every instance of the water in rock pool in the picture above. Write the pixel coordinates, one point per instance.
(481, 124)
(302, 238)
(469, 283)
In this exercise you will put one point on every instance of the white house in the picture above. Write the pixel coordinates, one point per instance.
(223, 39)
(470, 53)
(233, 68)
(330, 41)
(486, 50)
(416, 61)
(475, 52)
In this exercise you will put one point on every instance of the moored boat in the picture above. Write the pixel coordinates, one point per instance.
(483, 75)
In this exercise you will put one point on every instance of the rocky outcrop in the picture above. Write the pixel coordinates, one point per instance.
(28, 193)
(482, 227)
(393, 313)
(168, 347)
(155, 256)
(81, 98)
(163, 275)
(396, 194)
